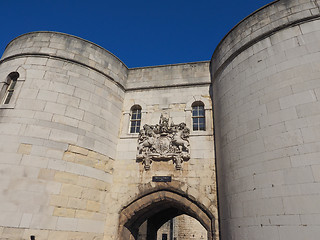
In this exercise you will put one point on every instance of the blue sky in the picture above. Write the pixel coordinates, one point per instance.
(139, 32)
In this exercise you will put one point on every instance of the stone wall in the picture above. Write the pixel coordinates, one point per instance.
(58, 137)
(265, 75)
(67, 159)
(197, 176)
(184, 227)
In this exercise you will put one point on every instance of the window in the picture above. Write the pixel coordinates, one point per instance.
(8, 87)
(135, 121)
(164, 236)
(198, 116)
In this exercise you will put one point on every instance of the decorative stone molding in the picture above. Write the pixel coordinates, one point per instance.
(163, 142)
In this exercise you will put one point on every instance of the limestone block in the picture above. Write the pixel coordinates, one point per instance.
(310, 134)
(76, 168)
(39, 234)
(37, 131)
(78, 150)
(55, 145)
(68, 100)
(62, 136)
(56, 76)
(93, 206)
(54, 153)
(64, 212)
(10, 158)
(82, 83)
(59, 201)
(65, 120)
(57, 235)
(296, 99)
(283, 140)
(311, 27)
(67, 224)
(301, 204)
(69, 156)
(310, 219)
(53, 188)
(298, 175)
(262, 207)
(310, 109)
(57, 165)
(92, 194)
(34, 161)
(10, 219)
(77, 203)
(252, 148)
(9, 206)
(74, 113)
(300, 232)
(61, 88)
(46, 174)
(278, 117)
(92, 183)
(28, 93)
(71, 190)
(12, 233)
(46, 95)
(43, 116)
(293, 220)
(55, 108)
(36, 73)
(88, 225)
(38, 150)
(65, 177)
(82, 94)
(98, 174)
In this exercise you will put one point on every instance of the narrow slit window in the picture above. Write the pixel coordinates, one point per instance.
(198, 117)
(135, 121)
(10, 85)
(164, 236)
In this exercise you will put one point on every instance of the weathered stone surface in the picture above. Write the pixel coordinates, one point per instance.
(70, 168)
(267, 171)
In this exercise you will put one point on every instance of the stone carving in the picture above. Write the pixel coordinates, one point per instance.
(163, 142)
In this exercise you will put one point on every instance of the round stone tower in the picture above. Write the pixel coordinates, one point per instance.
(59, 131)
(266, 95)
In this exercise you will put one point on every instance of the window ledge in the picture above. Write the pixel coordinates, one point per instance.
(7, 106)
(129, 136)
(201, 133)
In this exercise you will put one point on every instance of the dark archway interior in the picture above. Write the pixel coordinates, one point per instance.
(154, 216)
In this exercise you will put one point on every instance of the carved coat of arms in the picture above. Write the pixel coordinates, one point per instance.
(163, 142)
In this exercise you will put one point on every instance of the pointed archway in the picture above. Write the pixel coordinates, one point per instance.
(157, 208)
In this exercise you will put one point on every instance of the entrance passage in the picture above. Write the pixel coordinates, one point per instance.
(143, 217)
(182, 227)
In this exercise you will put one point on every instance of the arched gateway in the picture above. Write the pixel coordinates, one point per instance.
(157, 208)
(90, 149)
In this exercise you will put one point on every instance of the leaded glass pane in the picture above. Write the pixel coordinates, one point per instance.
(12, 85)
(201, 111)
(9, 95)
(198, 117)
(135, 120)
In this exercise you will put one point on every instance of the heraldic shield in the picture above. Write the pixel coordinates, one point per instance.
(163, 142)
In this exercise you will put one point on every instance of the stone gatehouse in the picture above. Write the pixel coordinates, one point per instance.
(92, 150)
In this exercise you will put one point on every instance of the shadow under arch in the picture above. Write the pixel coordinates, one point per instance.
(158, 207)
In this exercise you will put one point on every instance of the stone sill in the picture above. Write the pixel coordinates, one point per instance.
(7, 106)
(129, 136)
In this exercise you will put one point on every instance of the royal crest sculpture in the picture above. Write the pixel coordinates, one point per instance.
(163, 142)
